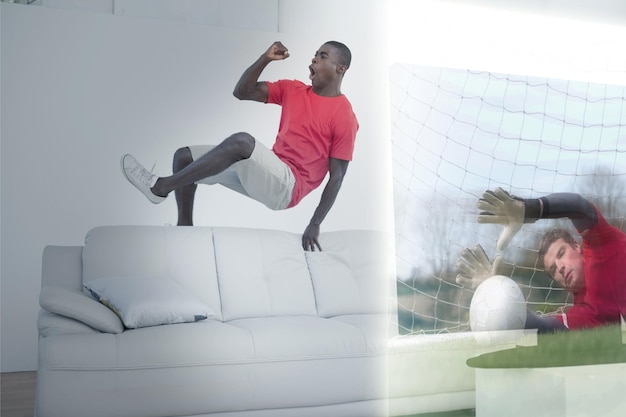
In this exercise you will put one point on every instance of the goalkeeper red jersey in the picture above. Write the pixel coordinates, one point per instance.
(604, 297)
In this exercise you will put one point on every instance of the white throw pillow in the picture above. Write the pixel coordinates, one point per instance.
(148, 301)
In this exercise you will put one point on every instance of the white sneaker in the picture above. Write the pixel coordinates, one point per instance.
(140, 177)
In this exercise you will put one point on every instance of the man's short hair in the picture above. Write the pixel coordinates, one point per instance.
(345, 56)
(549, 238)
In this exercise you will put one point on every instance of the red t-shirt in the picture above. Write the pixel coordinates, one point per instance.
(604, 297)
(312, 129)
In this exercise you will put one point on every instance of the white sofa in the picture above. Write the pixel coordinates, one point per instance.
(290, 333)
(293, 333)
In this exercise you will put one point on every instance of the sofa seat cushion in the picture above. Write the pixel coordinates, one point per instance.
(212, 342)
(184, 344)
(297, 338)
(375, 329)
(247, 364)
(272, 386)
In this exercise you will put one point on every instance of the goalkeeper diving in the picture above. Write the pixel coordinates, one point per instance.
(594, 271)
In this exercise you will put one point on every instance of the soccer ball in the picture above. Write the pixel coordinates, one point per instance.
(497, 304)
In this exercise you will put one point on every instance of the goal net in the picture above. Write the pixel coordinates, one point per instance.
(456, 133)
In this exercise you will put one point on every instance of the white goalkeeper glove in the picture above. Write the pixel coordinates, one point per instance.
(474, 267)
(500, 207)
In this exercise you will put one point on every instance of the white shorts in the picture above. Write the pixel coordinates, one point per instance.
(262, 177)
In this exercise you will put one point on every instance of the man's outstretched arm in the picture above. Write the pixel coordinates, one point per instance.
(543, 324)
(573, 206)
(248, 87)
(500, 207)
(337, 171)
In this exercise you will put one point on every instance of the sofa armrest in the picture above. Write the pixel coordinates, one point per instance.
(50, 324)
(78, 306)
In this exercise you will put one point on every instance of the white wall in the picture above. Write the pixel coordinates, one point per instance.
(243, 14)
(80, 89)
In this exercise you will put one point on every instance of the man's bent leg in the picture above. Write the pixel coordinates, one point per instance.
(233, 149)
(184, 195)
(262, 177)
(266, 178)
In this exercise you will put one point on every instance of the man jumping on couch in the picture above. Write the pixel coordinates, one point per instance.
(316, 136)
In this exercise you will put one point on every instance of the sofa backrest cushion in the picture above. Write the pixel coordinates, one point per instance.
(244, 273)
(262, 273)
(184, 254)
(351, 274)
